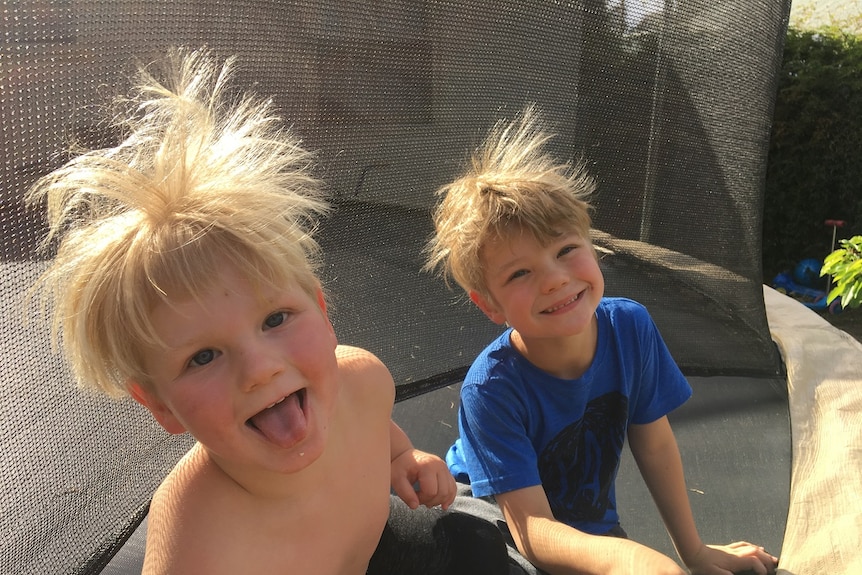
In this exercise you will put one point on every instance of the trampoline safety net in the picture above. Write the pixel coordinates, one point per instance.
(669, 102)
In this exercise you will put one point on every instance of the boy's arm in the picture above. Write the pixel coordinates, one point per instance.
(409, 466)
(657, 455)
(412, 468)
(559, 549)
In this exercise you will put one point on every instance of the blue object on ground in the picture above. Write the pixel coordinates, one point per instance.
(786, 283)
(807, 272)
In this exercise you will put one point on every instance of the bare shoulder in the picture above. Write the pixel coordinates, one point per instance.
(184, 481)
(355, 362)
(363, 372)
(180, 519)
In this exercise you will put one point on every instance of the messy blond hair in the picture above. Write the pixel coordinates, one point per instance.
(203, 177)
(512, 184)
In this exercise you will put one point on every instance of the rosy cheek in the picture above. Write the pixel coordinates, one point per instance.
(201, 395)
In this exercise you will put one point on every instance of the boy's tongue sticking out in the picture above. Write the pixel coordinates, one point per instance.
(283, 423)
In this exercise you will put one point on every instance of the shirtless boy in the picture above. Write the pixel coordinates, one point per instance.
(185, 276)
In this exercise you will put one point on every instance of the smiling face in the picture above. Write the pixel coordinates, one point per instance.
(542, 291)
(251, 374)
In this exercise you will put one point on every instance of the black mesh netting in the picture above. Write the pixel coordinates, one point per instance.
(669, 102)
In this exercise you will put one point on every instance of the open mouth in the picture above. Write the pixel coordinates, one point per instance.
(565, 304)
(283, 422)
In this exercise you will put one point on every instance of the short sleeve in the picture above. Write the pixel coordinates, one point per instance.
(662, 387)
(496, 449)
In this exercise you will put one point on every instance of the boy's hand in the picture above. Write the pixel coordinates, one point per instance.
(436, 486)
(739, 557)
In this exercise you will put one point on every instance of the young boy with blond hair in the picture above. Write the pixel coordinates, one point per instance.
(185, 276)
(546, 407)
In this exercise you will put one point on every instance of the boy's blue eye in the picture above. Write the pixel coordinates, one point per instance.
(275, 319)
(566, 250)
(202, 357)
(518, 274)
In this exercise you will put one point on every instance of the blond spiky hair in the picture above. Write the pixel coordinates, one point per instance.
(202, 178)
(513, 184)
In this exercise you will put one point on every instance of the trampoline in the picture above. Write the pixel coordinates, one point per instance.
(668, 102)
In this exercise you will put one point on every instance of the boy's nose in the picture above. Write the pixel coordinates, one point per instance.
(261, 366)
(553, 279)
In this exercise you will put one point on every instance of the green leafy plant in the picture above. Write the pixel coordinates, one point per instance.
(845, 267)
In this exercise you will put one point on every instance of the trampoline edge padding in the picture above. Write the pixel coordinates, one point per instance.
(824, 381)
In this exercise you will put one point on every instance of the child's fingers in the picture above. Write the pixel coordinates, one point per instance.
(451, 489)
(752, 558)
(437, 489)
(744, 548)
(428, 491)
(445, 486)
(404, 489)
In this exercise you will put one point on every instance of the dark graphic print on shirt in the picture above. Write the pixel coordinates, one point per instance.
(579, 465)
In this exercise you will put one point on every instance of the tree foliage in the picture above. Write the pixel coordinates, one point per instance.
(814, 171)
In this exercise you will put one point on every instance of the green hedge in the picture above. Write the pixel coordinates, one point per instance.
(814, 171)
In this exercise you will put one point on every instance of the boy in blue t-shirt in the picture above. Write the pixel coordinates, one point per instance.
(546, 407)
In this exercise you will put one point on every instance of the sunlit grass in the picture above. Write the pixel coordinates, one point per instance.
(846, 15)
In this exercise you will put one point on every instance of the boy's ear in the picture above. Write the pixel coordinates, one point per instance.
(160, 411)
(321, 302)
(488, 308)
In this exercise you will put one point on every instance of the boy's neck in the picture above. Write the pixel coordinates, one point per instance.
(563, 357)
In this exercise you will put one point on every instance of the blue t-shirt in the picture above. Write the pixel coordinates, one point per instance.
(521, 427)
